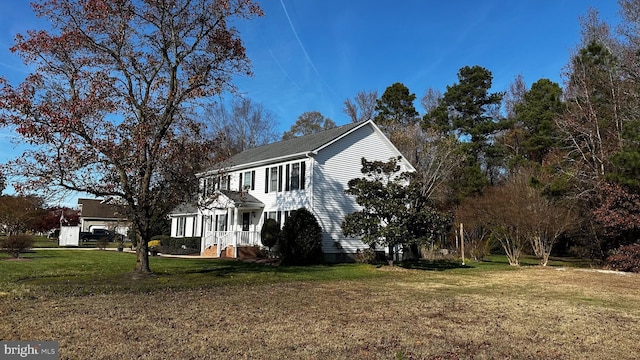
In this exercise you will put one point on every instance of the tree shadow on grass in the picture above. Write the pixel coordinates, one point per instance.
(226, 267)
(437, 265)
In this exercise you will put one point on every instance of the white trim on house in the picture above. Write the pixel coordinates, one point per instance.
(329, 159)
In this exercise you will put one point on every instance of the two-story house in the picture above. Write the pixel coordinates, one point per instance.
(270, 181)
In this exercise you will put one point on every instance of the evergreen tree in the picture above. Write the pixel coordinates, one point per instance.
(395, 107)
(535, 118)
(394, 210)
(308, 123)
(470, 111)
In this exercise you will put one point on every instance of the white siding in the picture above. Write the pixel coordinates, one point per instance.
(334, 167)
(190, 228)
(273, 201)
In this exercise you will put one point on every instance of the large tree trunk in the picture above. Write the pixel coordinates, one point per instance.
(391, 255)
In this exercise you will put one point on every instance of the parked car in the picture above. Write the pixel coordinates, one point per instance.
(53, 234)
(97, 234)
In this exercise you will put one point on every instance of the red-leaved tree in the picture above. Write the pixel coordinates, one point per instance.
(618, 214)
(112, 104)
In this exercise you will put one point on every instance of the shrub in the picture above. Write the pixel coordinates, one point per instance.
(102, 242)
(626, 258)
(186, 242)
(17, 244)
(366, 256)
(176, 246)
(154, 245)
(300, 242)
(270, 233)
(164, 240)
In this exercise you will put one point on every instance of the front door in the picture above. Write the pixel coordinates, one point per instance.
(246, 221)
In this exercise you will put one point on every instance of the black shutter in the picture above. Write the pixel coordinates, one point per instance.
(279, 217)
(240, 184)
(286, 179)
(266, 180)
(303, 172)
(280, 178)
(253, 180)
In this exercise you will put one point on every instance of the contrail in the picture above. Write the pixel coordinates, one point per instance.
(295, 33)
(282, 68)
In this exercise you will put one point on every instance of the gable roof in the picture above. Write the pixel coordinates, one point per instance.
(95, 208)
(242, 199)
(299, 146)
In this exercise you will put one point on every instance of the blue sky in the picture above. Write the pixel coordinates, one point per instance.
(312, 55)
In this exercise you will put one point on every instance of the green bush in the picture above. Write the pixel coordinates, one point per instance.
(178, 246)
(300, 242)
(270, 233)
(164, 240)
(366, 256)
(16, 244)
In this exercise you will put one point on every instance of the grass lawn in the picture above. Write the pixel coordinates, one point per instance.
(215, 309)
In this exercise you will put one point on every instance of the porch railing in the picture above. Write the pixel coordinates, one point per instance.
(235, 238)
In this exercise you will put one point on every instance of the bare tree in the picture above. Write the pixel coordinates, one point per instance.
(111, 105)
(363, 106)
(240, 125)
(430, 99)
(545, 218)
(476, 230)
(514, 96)
(434, 155)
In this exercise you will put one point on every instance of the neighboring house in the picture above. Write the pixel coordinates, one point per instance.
(100, 214)
(272, 180)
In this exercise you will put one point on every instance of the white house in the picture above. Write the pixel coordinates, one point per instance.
(270, 181)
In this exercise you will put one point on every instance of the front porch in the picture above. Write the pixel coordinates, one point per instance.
(230, 244)
(231, 225)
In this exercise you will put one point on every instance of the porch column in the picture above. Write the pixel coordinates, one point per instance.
(236, 233)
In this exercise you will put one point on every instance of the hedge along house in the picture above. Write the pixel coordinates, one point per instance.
(270, 181)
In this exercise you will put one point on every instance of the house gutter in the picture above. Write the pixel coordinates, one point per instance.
(256, 163)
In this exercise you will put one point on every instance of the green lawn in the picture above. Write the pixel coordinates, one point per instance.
(209, 309)
(93, 271)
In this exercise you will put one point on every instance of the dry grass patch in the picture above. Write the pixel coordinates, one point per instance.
(530, 313)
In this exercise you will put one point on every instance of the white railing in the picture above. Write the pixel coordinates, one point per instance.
(208, 240)
(234, 238)
(245, 238)
(223, 239)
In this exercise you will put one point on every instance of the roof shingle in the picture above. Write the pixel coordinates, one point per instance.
(290, 147)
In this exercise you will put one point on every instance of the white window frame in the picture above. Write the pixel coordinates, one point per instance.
(181, 226)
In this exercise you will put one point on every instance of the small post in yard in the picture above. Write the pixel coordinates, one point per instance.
(462, 242)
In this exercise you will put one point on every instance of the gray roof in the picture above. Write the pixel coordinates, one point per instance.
(241, 198)
(290, 147)
(185, 208)
(97, 208)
